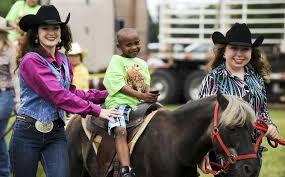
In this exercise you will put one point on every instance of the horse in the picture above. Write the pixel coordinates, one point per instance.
(174, 142)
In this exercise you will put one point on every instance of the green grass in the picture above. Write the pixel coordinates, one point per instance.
(273, 159)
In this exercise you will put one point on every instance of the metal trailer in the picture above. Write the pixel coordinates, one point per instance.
(186, 24)
(92, 25)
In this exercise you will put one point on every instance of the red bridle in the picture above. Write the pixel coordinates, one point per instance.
(232, 158)
(259, 125)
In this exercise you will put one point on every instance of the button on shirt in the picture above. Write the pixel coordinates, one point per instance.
(39, 77)
(221, 79)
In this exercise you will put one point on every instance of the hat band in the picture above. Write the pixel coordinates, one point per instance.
(240, 44)
(52, 22)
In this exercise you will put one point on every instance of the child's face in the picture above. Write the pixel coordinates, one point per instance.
(75, 59)
(129, 44)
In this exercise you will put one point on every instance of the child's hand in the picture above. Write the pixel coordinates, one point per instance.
(109, 114)
(150, 97)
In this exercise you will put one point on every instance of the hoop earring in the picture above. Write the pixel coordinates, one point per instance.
(59, 41)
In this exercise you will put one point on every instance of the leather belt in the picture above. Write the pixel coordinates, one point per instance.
(6, 89)
(56, 123)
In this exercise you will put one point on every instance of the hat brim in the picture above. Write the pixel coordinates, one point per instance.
(219, 38)
(83, 53)
(29, 21)
(258, 41)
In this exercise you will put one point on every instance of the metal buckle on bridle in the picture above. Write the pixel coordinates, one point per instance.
(216, 130)
(232, 159)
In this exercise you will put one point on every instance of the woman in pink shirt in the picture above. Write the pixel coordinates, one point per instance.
(46, 92)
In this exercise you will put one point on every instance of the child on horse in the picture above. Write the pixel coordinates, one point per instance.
(127, 80)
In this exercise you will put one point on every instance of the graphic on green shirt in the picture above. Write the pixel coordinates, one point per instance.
(125, 71)
(134, 78)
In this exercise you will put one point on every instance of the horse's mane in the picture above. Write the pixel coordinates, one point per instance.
(236, 113)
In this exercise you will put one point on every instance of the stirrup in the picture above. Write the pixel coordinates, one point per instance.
(129, 174)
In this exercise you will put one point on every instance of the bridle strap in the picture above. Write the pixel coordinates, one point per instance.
(263, 127)
(216, 134)
(231, 157)
(259, 125)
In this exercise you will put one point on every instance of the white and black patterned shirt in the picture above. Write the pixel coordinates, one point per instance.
(221, 79)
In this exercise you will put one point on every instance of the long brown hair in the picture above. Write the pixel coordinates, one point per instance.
(29, 44)
(258, 60)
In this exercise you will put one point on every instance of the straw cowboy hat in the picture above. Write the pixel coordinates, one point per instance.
(238, 34)
(46, 15)
(76, 49)
(3, 25)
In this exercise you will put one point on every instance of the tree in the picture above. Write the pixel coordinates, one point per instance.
(5, 7)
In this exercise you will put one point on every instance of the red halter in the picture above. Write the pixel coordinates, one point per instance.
(259, 125)
(231, 157)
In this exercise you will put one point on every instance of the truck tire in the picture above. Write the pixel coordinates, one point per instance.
(192, 85)
(165, 82)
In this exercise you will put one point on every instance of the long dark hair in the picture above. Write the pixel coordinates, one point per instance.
(258, 61)
(29, 44)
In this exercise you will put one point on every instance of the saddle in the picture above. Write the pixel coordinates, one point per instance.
(106, 152)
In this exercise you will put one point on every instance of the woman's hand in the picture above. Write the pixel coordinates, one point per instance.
(272, 132)
(109, 114)
(205, 161)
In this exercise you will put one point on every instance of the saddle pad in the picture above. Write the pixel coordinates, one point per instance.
(140, 131)
(133, 141)
(87, 132)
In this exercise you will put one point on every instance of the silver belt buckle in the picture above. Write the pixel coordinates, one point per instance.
(42, 127)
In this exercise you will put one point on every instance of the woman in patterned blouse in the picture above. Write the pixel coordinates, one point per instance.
(239, 69)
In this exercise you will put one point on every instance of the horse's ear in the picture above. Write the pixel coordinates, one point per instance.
(246, 97)
(223, 102)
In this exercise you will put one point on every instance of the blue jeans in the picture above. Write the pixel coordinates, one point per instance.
(28, 146)
(6, 108)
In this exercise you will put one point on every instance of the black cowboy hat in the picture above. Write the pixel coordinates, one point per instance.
(239, 34)
(46, 15)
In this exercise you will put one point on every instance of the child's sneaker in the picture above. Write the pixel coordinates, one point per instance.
(127, 172)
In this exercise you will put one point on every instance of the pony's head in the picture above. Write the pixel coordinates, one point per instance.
(235, 127)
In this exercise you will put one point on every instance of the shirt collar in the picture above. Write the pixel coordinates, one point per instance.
(46, 55)
(247, 70)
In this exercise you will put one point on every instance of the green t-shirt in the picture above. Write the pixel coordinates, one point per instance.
(119, 73)
(17, 11)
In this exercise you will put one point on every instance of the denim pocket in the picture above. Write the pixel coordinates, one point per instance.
(23, 125)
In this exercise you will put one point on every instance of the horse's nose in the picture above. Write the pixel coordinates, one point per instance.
(248, 170)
